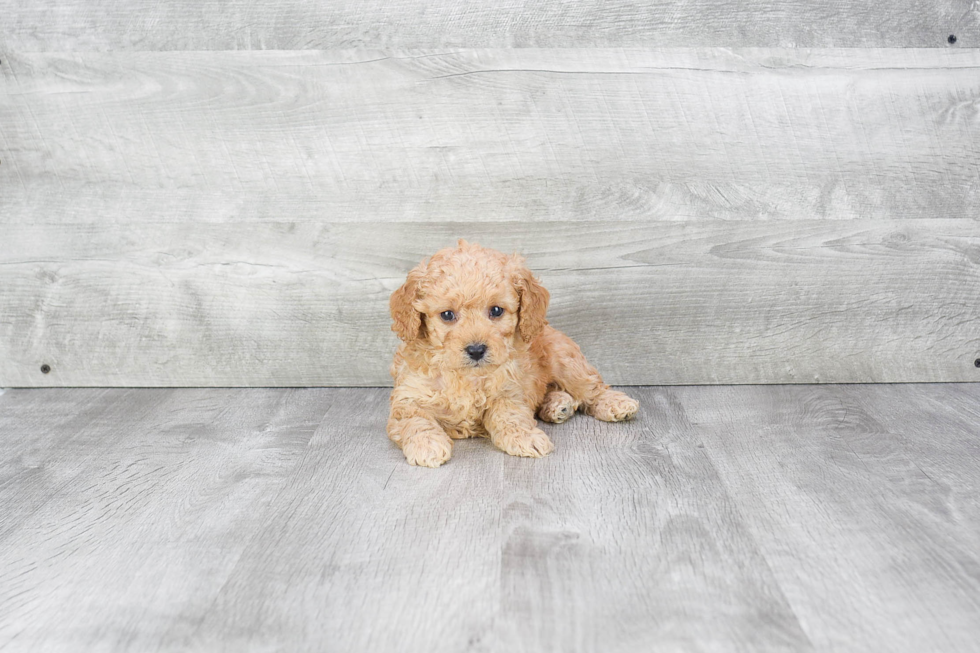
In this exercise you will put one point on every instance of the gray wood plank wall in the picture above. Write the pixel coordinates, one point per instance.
(317, 24)
(176, 209)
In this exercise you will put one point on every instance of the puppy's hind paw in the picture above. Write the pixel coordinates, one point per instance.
(428, 449)
(557, 407)
(614, 406)
(530, 444)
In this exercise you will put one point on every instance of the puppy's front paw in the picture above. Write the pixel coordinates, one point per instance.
(614, 406)
(427, 449)
(530, 444)
(557, 407)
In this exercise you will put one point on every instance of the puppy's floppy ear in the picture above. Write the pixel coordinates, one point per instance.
(406, 321)
(534, 301)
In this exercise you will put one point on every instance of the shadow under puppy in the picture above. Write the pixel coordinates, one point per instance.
(479, 359)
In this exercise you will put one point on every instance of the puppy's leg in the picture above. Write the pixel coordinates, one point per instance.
(613, 406)
(557, 406)
(583, 382)
(512, 428)
(420, 437)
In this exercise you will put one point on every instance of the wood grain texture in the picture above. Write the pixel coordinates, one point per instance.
(700, 215)
(164, 481)
(304, 304)
(797, 518)
(295, 25)
(872, 490)
(490, 135)
(504, 556)
(55, 438)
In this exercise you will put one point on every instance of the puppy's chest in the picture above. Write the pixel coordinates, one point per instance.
(459, 402)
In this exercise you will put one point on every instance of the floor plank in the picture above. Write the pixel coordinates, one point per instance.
(790, 518)
(129, 552)
(847, 495)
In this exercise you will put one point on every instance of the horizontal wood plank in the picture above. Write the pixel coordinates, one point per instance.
(672, 303)
(239, 218)
(303, 25)
(490, 135)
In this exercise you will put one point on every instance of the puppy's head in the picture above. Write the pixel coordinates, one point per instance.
(471, 305)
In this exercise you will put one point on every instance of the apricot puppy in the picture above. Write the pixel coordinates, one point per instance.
(478, 358)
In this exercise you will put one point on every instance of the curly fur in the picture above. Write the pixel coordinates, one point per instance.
(529, 368)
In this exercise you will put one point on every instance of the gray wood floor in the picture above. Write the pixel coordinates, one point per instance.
(826, 518)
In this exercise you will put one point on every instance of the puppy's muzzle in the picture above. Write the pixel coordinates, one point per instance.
(476, 352)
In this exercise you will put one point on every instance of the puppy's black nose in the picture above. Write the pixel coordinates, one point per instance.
(477, 351)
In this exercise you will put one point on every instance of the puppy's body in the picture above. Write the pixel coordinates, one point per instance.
(479, 359)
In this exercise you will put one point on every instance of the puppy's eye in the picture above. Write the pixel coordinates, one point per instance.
(496, 311)
(448, 316)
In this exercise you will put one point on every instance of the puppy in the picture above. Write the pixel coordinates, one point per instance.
(478, 358)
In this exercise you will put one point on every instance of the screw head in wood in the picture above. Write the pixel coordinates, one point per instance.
(976, 363)
(45, 368)
(952, 39)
